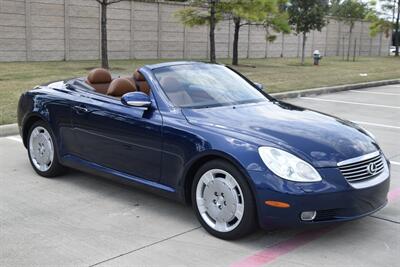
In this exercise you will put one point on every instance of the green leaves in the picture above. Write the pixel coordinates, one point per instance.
(379, 25)
(250, 10)
(199, 13)
(350, 11)
(307, 15)
(271, 38)
(279, 22)
(262, 12)
(193, 16)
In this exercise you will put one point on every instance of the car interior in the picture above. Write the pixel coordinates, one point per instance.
(101, 81)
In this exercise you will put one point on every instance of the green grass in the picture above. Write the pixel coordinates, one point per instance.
(280, 75)
(277, 75)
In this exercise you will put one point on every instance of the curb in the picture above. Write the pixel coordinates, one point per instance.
(332, 89)
(12, 129)
(9, 129)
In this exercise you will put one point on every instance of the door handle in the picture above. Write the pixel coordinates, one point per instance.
(81, 109)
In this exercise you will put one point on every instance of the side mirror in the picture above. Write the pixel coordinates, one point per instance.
(259, 86)
(136, 99)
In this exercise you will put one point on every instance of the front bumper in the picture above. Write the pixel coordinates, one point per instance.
(334, 199)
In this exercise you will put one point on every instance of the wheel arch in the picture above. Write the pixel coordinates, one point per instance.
(26, 126)
(199, 161)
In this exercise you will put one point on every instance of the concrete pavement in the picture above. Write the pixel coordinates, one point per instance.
(83, 220)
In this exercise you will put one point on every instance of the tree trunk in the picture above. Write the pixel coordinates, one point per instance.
(303, 51)
(212, 30)
(104, 49)
(235, 56)
(396, 37)
(348, 48)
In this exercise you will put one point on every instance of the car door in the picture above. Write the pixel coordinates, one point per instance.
(119, 137)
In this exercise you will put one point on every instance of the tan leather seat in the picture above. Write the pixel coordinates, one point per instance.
(99, 79)
(175, 91)
(121, 86)
(141, 82)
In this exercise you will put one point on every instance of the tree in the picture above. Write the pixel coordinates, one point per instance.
(196, 15)
(379, 25)
(390, 12)
(104, 46)
(350, 11)
(255, 12)
(397, 30)
(306, 16)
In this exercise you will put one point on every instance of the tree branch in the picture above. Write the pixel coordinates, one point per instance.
(115, 1)
(110, 2)
(251, 24)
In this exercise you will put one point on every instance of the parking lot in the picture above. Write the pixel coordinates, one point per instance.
(83, 220)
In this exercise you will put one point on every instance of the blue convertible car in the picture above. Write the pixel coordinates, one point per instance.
(206, 135)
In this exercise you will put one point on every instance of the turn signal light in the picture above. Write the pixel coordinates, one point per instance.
(277, 204)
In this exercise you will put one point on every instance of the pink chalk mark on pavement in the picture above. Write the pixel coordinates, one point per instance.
(270, 254)
(394, 194)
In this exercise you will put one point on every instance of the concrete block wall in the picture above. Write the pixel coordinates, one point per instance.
(82, 28)
(13, 41)
(44, 30)
(145, 30)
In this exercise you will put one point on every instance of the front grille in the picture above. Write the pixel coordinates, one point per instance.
(363, 169)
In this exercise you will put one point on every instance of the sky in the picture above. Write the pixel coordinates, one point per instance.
(378, 7)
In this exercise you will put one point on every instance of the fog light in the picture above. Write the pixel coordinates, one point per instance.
(308, 215)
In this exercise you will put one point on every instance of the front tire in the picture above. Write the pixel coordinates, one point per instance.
(42, 151)
(223, 201)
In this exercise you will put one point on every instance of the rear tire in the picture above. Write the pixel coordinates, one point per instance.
(42, 151)
(223, 201)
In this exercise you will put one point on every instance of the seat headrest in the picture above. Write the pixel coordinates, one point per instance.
(138, 76)
(99, 76)
(121, 86)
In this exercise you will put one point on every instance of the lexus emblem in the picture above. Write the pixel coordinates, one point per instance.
(371, 168)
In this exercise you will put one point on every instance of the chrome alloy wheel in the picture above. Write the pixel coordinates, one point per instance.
(219, 200)
(41, 149)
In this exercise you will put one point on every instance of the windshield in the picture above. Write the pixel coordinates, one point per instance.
(205, 85)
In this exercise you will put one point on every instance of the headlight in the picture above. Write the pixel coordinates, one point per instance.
(287, 166)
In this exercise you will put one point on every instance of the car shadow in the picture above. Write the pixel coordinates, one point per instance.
(161, 211)
(122, 194)
(130, 195)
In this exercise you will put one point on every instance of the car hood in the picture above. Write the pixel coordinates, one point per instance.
(321, 139)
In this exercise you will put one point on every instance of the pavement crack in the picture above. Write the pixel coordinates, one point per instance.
(145, 246)
(384, 219)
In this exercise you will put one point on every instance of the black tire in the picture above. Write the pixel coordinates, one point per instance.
(56, 169)
(248, 223)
